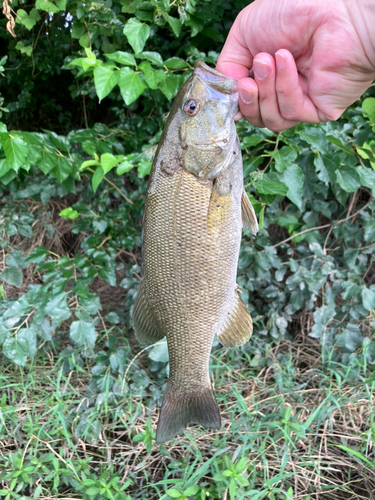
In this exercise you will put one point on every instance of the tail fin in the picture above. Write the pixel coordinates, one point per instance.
(179, 410)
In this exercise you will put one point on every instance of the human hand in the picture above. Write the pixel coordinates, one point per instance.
(325, 59)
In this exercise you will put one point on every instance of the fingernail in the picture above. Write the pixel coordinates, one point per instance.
(280, 61)
(246, 95)
(260, 69)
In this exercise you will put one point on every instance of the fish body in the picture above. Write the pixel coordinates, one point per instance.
(194, 213)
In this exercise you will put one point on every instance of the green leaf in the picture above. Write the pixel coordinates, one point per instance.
(124, 167)
(175, 63)
(15, 150)
(46, 6)
(89, 163)
(170, 86)
(83, 333)
(144, 168)
(367, 178)
(97, 178)
(131, 86)
(69, 213)
(347, 149)
(348, 178)
(108, 161)
(16, 350)
(153, 57)
(368, 299)
(192, 490)
(105, 78)
(61, 4)
(315, 137)
(284, 158)
(108, 274)
(267, 186)
(5, 167)
(63, 169)
(137, 33)
(122, 58)
(48, 161)
(12, 276)
(368, 107)
(159, 352)
(57, 308)
(24, 19)
(172, 492)
(152, 77)
(293, 178)
(174, 23)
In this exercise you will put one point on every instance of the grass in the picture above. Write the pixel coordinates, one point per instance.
(293, 428)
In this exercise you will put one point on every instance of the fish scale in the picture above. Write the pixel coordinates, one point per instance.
(194, 213)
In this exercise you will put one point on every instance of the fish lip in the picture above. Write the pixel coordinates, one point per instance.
(214, 79)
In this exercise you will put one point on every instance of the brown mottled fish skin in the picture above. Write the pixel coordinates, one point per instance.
(194, 213)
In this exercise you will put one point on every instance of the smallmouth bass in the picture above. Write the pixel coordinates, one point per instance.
(194, 213)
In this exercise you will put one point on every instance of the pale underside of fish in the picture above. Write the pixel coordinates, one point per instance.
(194, 213)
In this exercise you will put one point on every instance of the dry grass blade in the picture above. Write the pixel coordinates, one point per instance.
(7, 11)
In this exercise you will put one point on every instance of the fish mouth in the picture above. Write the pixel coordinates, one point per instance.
(214, 79)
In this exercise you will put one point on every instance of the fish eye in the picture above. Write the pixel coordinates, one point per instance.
(191, 107)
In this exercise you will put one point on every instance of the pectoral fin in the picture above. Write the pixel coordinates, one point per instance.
(145, 327)
(249, 219)
(238, 325)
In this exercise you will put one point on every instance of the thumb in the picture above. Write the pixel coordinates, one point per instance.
(235, 59)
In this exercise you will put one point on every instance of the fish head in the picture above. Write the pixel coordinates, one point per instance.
(206, 105)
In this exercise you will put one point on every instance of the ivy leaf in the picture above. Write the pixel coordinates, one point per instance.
(144, 168)
(12, 276)
(268, 185)
(175, 63)
(108, 274)
(97, 178)
(284, 158)
(170, 86)
(15, 150)
(108, 161)
(174, 23)
(83, 333)
(159, 352)
(122, 57)
(16, 349)
(23, 18)
(293, 178)
(152, 77)
(131, 86)
(368, 107)
(348, 178)
(153, 57)
(48, 161)
(69, 213)
(337, 142)
(315, 137)
(137, 33)
(105, 78)
(368, 299)
(124, 167)
(46, 6)
(57, 308)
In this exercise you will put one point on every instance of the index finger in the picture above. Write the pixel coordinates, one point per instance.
(235, 59)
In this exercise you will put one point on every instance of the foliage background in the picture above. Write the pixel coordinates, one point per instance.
(85, 89)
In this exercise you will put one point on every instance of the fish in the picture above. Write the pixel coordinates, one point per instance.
(195, 209)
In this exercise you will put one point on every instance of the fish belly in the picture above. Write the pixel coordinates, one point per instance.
(191, 243)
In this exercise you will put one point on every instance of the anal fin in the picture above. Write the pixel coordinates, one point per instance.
(238, 326)
(145, 327)
(249, 219)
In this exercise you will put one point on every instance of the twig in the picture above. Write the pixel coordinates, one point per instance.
(84, 110)
(135, 357)
(113, 185)
(322, 227)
